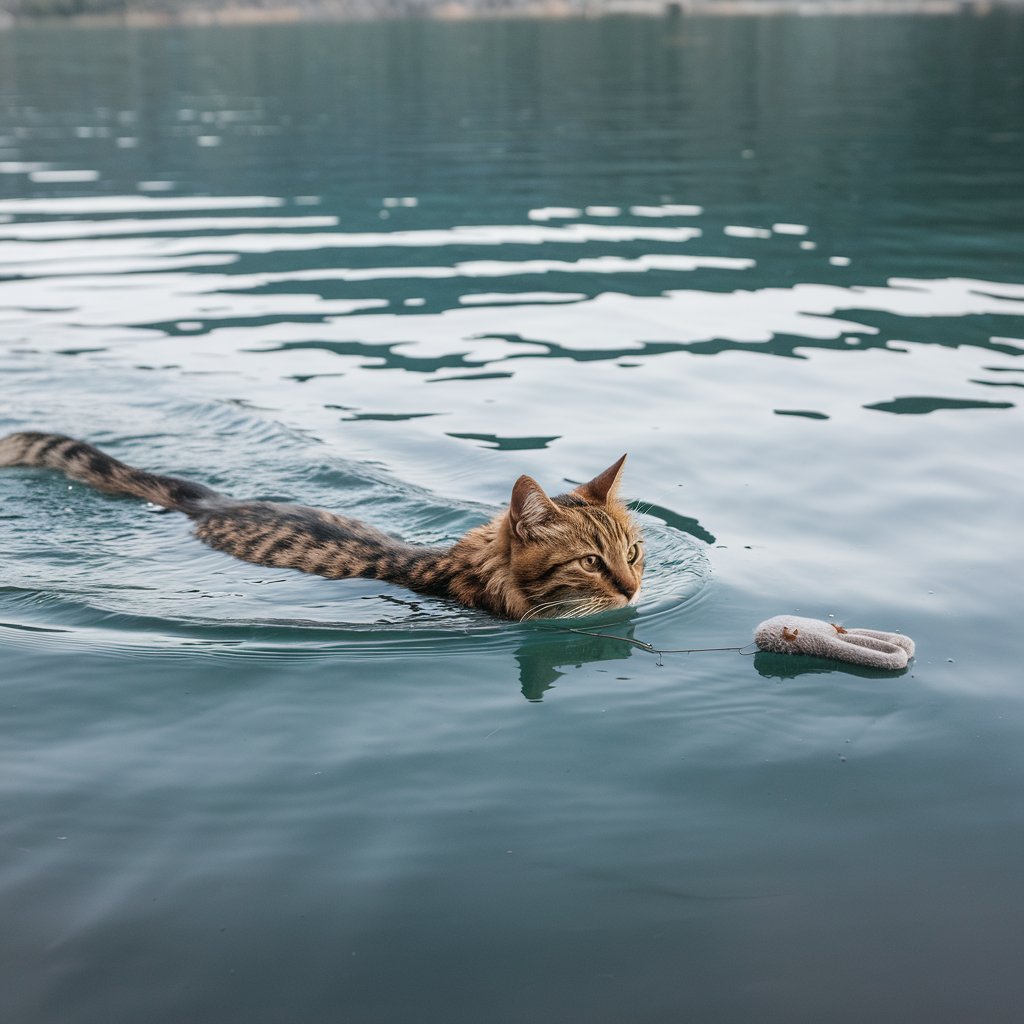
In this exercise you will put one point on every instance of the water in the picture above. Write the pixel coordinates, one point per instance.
(388, 269)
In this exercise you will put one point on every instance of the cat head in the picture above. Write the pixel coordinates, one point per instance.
(577, 553)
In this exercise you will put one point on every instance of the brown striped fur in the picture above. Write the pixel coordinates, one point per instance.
(569, 555)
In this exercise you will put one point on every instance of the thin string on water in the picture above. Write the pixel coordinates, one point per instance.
(659, 651)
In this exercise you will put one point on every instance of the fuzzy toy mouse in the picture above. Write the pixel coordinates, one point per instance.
(791, 634)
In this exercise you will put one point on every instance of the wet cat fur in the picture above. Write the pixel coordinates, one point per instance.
(569, 555)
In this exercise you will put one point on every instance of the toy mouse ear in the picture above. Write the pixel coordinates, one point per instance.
(604, 487)
(530, 509)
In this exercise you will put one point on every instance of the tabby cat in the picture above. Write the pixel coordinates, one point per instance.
(569, 555)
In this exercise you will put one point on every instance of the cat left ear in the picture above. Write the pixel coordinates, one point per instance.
(530, 508)
(604, 487)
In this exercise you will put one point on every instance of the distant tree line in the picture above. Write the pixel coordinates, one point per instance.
(28, 9)
(63, 8)
(68, 8)
(363, 8)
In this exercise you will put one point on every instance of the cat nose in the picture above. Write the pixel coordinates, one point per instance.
(625, 586)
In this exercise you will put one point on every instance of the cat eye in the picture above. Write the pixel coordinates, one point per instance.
(633, 553)
(590, 562)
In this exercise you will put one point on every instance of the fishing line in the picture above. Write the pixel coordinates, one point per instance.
(657, 651)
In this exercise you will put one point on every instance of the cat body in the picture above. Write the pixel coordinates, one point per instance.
(568, 555)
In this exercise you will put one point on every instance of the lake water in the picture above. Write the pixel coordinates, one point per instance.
(387, 269)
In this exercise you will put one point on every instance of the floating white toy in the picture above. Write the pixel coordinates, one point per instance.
(791, 634)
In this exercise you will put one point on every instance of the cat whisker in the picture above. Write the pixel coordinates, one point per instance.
(534, 612)
(585, 607)
(571, 611)
(572, 605)
(540, 608)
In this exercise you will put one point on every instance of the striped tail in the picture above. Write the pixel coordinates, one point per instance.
(81, 461)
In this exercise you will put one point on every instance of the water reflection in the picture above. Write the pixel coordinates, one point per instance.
(542, 662)
(921, 405)
(545, 655)
(154, 279)
(507, 444)
(790, 666)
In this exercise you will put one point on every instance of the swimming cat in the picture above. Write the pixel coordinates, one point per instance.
(544, 557)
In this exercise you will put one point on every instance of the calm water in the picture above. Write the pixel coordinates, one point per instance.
(388, 269)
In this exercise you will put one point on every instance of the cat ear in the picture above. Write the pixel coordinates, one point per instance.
(604, 487)
(530, 509)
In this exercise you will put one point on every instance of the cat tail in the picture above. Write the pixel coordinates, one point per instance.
(81, 461)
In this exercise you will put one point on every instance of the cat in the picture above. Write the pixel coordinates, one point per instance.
(565, 556)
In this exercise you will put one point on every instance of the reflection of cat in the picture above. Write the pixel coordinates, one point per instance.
(573, 554)
(546, 654)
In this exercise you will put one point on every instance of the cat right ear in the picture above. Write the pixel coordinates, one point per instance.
(602, 490)
(530, 509)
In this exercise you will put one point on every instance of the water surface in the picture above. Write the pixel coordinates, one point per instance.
(389, 268)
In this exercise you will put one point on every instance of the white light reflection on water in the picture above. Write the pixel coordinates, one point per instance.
(50, 230)
(125, 292)
(103, 205)
(483, 235)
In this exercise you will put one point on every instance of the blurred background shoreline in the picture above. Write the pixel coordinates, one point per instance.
(142, 13)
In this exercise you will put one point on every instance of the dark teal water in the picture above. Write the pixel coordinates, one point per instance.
(390, 268)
